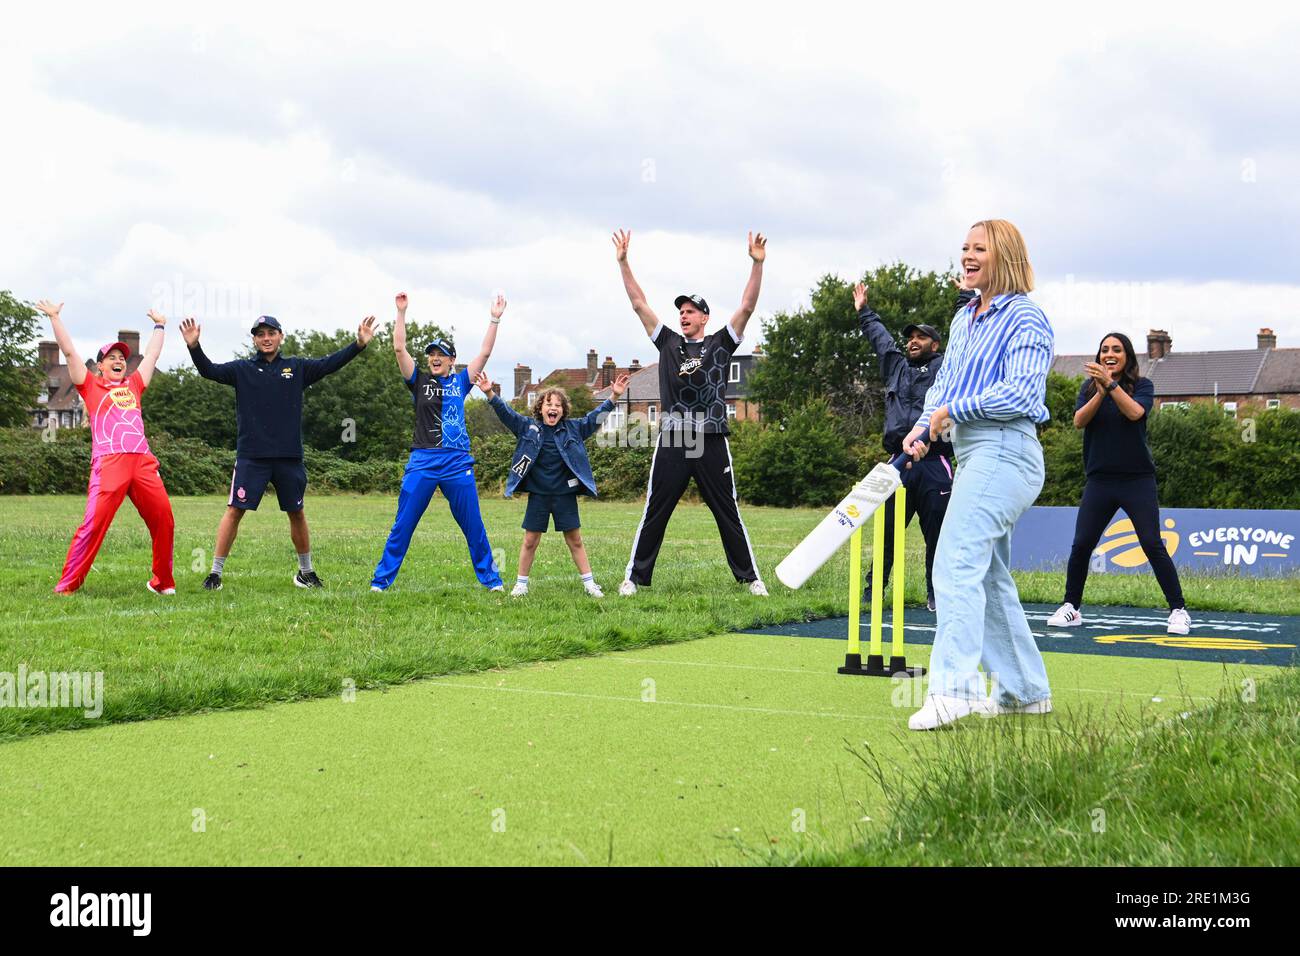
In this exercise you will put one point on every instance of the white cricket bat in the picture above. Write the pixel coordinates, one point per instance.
(837, 527)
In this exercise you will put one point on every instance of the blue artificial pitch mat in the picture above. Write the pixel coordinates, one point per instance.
(1219, 636)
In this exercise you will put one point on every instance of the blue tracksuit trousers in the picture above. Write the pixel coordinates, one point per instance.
(424, 475)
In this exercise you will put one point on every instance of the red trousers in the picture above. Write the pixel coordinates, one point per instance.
(112, 478)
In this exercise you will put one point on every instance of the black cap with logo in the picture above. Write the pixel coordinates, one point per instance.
(694, 300)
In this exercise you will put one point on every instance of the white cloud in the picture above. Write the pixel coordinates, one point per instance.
(311, 166)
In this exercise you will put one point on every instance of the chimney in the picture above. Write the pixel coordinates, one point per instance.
(758, 349)
(1266, 339)
(130, 339)
(634, 367)
(49, 355)
(523, 375)
(591, 366)
(607, 371)
(1159, 344)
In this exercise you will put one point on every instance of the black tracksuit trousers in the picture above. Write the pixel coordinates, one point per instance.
(707, 459)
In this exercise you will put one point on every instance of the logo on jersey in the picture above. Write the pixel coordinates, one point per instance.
(431, 389)
(521, 466)
(241, 494)
(286, 372)
(123, 398)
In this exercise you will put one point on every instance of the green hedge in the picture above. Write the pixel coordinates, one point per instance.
(1204, 459)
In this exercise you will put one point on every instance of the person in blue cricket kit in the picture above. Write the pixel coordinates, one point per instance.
(550, 463)
(440, 455)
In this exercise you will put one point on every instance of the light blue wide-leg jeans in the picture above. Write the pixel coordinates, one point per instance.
(999, 475)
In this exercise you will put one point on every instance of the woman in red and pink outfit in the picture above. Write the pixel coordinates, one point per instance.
(121, 464)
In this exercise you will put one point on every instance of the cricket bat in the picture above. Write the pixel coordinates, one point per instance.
(837, 527)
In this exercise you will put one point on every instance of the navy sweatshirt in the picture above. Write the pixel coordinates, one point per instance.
(268, 397)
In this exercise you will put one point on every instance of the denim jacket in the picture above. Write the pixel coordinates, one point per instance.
(570, 439)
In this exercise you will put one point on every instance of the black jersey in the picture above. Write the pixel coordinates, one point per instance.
(440, 410)
(693, 379)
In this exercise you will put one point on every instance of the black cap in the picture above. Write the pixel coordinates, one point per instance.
(444, 346)
(270, 321)
(929, 330)
(694, 300)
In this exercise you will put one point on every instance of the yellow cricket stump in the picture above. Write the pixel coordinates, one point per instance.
(875, 652)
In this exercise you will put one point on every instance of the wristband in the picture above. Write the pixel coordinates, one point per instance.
(1110, 386)
(159, 328)
(495, 321)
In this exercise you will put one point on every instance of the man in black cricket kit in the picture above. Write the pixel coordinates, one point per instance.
(693, 422)
(908, 374)
(268, 408)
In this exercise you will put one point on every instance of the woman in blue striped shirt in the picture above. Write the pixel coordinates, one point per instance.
(988, 397)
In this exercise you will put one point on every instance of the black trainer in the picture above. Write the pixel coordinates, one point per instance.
(929, 602)
(308, 579)
(212, 582)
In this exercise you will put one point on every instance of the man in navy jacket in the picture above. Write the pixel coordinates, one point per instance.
(268, 401)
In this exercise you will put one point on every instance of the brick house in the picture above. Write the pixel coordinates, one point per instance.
(594, 376)
(1237, 379)
(59, 398)
(641, 401)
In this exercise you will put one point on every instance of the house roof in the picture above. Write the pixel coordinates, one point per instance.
(1230, 372)
(643, 386)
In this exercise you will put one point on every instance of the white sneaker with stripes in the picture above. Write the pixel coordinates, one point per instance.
(1066, 616)
(1180, 622)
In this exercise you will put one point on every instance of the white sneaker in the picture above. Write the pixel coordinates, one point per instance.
(498, 588)
(1180, 622)
(519, 590)
(758, 589)
(1066, 616)
(1043, 706)
(149, 585)
(940, 710)
(376, 589)
(627, 589)
(592, 588)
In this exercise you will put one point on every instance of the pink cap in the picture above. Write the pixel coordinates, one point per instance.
(120, 346)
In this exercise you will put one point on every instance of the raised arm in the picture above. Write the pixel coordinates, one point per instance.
(477, 363)
(313, 370)
(76, 367)
(154, 349)
(223, 373)
(588, 424)
(749, 300)
(639, 305)
(1086, 409)
(405, 364)
(891, 356)
(509, 417)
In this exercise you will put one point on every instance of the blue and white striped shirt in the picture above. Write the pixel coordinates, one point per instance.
(995, 367)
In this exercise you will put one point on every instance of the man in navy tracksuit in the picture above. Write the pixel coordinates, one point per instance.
(907, 376)
(268, 403)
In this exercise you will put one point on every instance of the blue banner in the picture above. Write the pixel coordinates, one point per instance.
(1200, 540)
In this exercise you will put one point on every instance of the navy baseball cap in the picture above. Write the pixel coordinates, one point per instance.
(929, 330)
(440, 345)
(270, 321)
(694, 300)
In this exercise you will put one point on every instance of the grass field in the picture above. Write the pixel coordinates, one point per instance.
(693, 745)
(261, 639)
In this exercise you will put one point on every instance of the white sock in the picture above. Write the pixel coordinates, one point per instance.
(218, 562)
(304, 562)
(522, 579)
(589, 578)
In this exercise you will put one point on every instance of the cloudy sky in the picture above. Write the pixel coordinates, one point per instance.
(309, 162)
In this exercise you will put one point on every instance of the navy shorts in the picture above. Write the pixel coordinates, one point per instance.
(248, 483)
(541, 507)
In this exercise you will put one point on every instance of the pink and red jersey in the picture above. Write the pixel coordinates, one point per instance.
(116, 427)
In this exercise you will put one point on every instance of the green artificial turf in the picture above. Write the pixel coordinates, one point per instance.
(720, 750)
